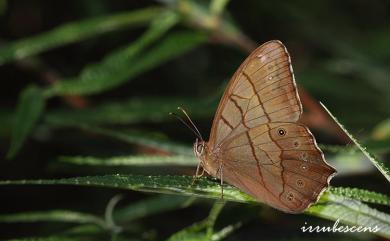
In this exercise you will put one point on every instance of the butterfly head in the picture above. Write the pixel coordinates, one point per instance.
(199, 148)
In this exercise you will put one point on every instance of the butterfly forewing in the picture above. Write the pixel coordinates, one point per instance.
(262, 90)
(255, 140)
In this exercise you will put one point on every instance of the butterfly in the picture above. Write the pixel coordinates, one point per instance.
(256, 143)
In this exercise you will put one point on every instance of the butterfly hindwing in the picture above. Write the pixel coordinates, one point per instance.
(277, 163)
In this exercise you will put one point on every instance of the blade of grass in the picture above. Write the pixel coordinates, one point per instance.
(203, 187)
(137, 137)
(331, 206)
(201, 230)
(361, 195)
(226, 231)
(30, 107)
(377, 163)
(142, 138)
(67, 216)
(141, 160)
(134, 110)
(118, 67)
(77, 31)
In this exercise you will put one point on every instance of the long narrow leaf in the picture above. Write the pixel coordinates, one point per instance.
(361, 195)
(117, 67)
(67, 216)
(134, 110)
(30, 107)
(380, 165)
(330, 206)
(142, 138)
(77, 31)
(142, 160)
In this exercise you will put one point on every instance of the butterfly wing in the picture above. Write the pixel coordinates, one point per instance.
(256, 140)
(262, 90)
(278, 164)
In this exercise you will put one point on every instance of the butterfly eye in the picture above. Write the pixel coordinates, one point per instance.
(282, 132)
(200, 148)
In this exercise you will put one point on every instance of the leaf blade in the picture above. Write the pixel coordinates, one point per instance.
(30, 107)
(73, 32)
(374, 160)
(354, 211)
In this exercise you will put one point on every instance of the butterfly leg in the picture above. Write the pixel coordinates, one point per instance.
(197, 174)
(220, 171)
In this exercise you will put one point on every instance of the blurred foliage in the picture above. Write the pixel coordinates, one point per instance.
(88, 85)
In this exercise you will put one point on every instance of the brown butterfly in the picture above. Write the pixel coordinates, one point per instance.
(256, 143)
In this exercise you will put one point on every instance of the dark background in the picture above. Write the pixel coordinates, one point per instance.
(340, 53)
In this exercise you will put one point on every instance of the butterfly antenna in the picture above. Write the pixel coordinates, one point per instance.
(192, 123)
(186, 124)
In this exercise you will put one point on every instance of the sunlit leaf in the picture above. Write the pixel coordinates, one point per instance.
(331, 206)
(141, 160)
(361, 195)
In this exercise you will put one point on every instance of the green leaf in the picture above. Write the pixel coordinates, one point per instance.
(361, 195)
(377, 163)
(141, 160)
(217, 7)
(66, 216)
(351, 212)
(30, 107)
(226, 231)
(331, 205)
(122, 65)
(134, 110)
(202, 230)
(77, 31)
(203, 187)
(116, 68)
(142, 138)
